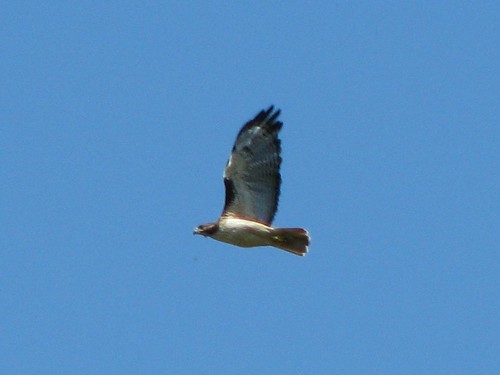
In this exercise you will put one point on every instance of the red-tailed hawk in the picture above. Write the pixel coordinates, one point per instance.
(252, 180)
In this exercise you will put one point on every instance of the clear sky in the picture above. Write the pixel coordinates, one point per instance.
(117, 119)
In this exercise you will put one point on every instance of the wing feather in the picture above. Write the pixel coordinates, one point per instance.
(252, 174)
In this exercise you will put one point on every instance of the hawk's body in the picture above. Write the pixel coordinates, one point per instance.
(252, 180)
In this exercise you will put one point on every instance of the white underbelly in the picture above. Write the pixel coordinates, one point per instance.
(243, 233)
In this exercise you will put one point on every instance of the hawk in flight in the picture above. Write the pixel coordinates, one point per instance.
(252, 180)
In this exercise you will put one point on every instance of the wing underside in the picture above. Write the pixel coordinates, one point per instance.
(252, 174)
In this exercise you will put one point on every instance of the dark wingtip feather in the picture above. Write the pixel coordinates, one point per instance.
(264, 114)
(266, 117)
(270, 118)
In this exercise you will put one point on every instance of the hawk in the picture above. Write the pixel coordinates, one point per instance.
(252, 181)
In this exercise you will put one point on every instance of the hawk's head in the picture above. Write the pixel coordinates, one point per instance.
(206, 230)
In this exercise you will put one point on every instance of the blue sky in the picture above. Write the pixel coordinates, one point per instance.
(117, 119)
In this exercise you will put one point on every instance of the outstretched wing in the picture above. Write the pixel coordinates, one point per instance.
(252, 175)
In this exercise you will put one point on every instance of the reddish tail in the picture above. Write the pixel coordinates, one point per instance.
(293, 240)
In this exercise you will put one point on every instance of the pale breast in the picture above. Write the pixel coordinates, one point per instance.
(244, 233)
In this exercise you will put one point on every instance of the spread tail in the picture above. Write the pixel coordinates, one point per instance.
(293, 240)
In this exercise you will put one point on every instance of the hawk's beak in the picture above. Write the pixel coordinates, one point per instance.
(196, 231)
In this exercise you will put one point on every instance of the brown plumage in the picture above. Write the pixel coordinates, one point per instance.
(252, 180)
